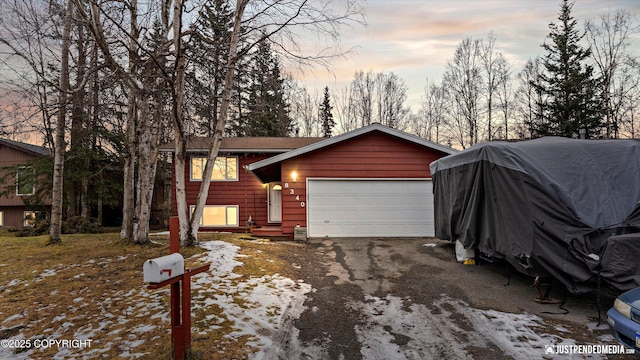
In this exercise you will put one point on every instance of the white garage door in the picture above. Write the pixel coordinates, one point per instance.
(371, 208)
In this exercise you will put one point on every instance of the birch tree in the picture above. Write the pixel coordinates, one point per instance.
(191, 237)
(362, 97)
(59, 149)
(145, 75)
(29, 86)
(504, 93)
(41, 38)
(151, 56)
(344, 110)
(492, 63)
(609, 39)
(304, 108)
(391, 96)
(528, 98)
(281, 23)
(463, 79)
(432, 112)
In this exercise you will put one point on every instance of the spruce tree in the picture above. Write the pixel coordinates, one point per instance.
(207, 55)
(267, 110)
(326, 117)
(570, 90)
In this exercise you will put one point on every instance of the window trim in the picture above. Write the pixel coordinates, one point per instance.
(237, 219)
(227, 178)
(33, 176)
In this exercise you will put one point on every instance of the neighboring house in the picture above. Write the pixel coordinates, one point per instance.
(373, 181)
(13, 211)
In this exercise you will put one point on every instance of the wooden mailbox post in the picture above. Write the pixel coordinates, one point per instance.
(180, 320)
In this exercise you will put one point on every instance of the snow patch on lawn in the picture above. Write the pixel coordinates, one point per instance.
(269, 303)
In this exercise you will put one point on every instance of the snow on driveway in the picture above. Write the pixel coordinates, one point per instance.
(394, 328)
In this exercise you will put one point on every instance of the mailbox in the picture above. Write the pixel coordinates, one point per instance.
(163, 268)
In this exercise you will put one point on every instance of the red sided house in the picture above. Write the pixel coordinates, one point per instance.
(373, 181)
(19, 184)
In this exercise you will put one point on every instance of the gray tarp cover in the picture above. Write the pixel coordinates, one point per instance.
(547, 206)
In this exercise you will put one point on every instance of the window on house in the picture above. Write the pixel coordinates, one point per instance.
(24, 181)
(29, 218)
(218, 215)
(224, 168)
(1, 218)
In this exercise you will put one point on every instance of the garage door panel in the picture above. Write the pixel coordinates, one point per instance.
(382, 208)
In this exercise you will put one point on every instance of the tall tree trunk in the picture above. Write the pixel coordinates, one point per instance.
(79, 140)
(100, 201)
(128, 200)
(224, 112)
(181, 197)
(178, 126)
(58, 161)
(84, 199)
(147, 166)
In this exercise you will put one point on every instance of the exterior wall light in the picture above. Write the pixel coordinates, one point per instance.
(294, 176)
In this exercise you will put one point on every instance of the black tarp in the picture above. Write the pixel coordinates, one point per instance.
(547, 206)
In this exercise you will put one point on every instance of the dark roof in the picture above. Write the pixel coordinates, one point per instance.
(29, 148)
(246, 144)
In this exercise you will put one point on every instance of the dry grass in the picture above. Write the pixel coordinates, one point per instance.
(90, 286)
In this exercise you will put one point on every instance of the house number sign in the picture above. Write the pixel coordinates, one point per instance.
(293, 192)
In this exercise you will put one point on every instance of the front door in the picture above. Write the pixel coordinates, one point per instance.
(274, 199)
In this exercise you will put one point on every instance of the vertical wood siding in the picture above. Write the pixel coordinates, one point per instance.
(247, 193)
(10, 157)
(12, 205)
(13, 216)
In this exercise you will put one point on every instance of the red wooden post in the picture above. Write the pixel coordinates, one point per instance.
(186, 311)
(176, 326)
(174, 234)
(180, 321)
(186, 303)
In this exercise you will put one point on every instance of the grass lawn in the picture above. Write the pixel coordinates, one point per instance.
(90, 287)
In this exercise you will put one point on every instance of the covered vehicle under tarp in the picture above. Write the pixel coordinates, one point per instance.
(550, 207)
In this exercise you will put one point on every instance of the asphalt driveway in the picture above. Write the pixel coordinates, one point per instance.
(410, 299)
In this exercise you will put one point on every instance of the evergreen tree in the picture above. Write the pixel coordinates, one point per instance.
(326, 117)
(266, 112)
(208, 54)
(568, 83)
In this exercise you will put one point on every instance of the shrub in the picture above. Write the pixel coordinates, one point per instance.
(80, 225)
(40, 227)
(72, 225)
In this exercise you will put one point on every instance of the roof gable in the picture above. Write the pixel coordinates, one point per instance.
(345, 137)
(26, 148)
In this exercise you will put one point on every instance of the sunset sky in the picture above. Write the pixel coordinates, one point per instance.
(414, 39)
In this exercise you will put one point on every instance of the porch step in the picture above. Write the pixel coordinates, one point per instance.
(267, 231)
